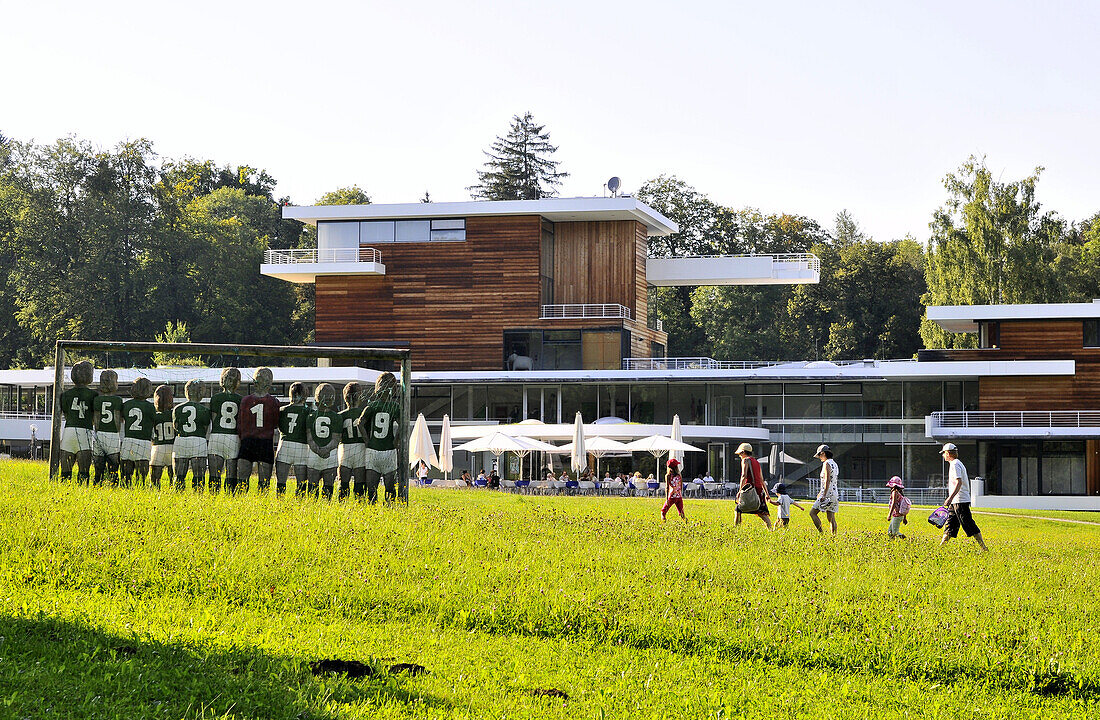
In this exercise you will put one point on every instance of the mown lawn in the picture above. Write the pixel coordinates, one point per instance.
(133, 603)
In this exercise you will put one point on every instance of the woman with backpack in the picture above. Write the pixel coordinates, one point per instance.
(899, 507)
(753, 496)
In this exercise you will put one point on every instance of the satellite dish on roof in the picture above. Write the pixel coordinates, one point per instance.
(613, 185)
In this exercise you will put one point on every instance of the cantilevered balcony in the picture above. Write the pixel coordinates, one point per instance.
(303, 266)
(578, 311)
(780, 269)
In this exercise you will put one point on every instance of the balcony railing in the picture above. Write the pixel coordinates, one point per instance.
(322, 255)
(583, 311)
(693, 363)
(1017, 419)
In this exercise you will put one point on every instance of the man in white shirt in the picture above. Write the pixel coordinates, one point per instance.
(958, 499)
(707, 478)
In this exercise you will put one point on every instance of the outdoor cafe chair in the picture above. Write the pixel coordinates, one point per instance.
(731, 489)
(509, 485)
(478, 482)
(586, 487)
(641, 487)
(712, 489)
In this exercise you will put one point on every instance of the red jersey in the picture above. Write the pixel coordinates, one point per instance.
(258, 417)
(751, 473)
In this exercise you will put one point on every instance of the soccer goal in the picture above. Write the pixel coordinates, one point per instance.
(398, 359)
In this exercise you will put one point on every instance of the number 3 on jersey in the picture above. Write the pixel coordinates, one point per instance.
(189, 426)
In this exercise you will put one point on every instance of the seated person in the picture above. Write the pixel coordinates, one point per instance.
(466, 478)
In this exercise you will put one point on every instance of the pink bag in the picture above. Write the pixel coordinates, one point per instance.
(904, 505)
(939, 516)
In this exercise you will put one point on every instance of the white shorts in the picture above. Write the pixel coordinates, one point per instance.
(316, 462)
(75, 439)
(106, 443)
(224, 445)
(136, 450)
(830, 503)
(161, 455)
(293, 453)
(353, 455)
(185, 448)
(382, 462)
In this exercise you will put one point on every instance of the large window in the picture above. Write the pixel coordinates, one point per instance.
(349, 234)
(649, 403)
(689, 402)
(1055, 467)
(1092, 333)
(432, 400)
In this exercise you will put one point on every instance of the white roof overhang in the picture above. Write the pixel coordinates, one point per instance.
(965, 318)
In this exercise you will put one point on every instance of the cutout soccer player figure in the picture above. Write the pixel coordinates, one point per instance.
(353, 456)
(323, 437)
(192, 423)
(138, 419)
(224, 443)
(164, 434)
(293, 448)
(108, 413)
(256, 424)
(380, 424)
(77, 412)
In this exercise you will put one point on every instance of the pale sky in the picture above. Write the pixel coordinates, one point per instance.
(801, 107)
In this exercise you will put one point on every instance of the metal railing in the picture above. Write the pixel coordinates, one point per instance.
(580, 311)
(24, 415)
(807, 261)
(693, 363)
(1017, 419)
(322, 255)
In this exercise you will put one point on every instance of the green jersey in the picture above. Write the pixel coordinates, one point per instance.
(382, 420)
(294, 422)
(108, 412)
(138, 418)
(322, 425)
(223, 413)
(163, 430)
(77, 407)
(191, 420)
(349, 426)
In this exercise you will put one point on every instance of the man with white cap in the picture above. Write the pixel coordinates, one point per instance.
(958, 499)
(828, 498)
(752, 481)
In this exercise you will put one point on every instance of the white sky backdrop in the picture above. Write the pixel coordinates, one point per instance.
(802, 107)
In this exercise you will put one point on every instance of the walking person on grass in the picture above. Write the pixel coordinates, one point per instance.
(899, 507)
(958, 499)
(828, 499)
(674, 489)
(752, 484)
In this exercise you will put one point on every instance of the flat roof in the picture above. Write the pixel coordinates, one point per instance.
(965, 318)
(818, 371)
(578, 209)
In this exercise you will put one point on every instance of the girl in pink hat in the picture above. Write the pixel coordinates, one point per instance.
(899, 507)
(674, 489)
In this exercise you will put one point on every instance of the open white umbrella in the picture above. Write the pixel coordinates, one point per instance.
(658, 445)
(678, 437)
(420, 444)
(578, 458)
(498, 443)
(446, 455)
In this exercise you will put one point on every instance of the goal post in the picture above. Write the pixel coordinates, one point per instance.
(398, 355)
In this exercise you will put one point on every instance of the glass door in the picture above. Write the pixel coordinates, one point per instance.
(716, 461)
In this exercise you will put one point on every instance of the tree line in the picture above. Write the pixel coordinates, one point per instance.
(123, 244)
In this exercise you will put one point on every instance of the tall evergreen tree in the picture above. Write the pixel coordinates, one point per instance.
(519, 165)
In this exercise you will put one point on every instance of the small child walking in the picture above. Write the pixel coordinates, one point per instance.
(783, 501)
(899, 507)
(674, 489)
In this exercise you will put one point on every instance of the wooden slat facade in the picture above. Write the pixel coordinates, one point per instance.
(1037, 340)
(451, 302)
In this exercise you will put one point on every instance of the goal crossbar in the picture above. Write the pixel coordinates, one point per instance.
(282, 351)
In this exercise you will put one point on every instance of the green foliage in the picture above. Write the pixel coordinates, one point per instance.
(111, 244)
(353, 195)
(175, 332)
(990, 244)
(139, 603)
(519, 165)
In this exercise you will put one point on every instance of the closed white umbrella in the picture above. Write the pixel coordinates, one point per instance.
(446, 455)
(676, 435)
(600, 447)
(578, 458)
(420, 444)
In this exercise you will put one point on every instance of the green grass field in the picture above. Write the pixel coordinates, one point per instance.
(133, 603)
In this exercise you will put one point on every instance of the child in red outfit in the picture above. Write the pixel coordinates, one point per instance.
(674, 489)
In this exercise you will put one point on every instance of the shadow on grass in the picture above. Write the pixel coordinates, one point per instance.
(68, 669)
